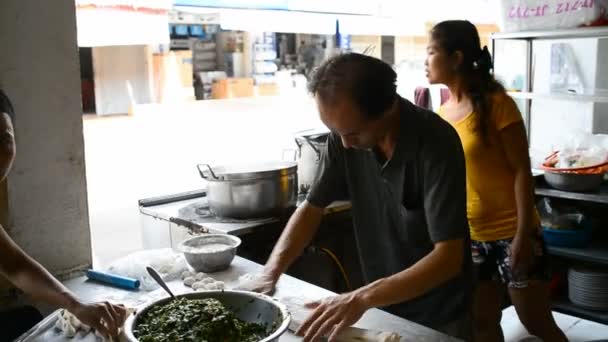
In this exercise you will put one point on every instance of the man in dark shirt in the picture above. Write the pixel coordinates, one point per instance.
(402, 167)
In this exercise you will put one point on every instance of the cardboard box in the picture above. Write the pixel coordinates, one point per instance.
(184, 62)
(171, 74)
(231, 88)
(267, 89)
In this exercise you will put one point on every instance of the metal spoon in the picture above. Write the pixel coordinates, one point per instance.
(159, 280)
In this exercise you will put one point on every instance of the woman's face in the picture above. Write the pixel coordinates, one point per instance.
(7, 145)
(439, 66)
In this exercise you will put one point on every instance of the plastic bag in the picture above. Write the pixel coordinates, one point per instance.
(565, 73)
(519, 15)
(166, 262)
(556, 216)
(582, 150)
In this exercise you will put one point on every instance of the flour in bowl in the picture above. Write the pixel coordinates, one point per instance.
(207, 248)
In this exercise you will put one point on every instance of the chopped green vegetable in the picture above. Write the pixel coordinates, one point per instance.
(197, 320)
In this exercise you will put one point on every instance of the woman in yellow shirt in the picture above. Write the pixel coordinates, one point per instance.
(508, 251)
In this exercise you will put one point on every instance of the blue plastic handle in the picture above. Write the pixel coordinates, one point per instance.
(113, 279)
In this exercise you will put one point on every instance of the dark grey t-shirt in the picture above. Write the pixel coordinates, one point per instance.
(401, 208)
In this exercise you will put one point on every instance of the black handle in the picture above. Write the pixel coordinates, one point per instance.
(203, 173)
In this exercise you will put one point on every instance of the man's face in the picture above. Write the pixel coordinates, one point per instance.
(7, 145)
(344, 118)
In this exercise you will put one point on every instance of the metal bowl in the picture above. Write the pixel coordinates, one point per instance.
(209, 261)
(574, 181)
(248, 306)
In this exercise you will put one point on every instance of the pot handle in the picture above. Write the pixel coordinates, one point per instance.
(203, 173)
(314, 148)
(289, 150)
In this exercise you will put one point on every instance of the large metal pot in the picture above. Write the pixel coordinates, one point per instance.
(248, 306)
(573, 181)
(250, 191)
(310, 145)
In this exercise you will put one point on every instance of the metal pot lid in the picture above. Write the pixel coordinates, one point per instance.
(249, 171)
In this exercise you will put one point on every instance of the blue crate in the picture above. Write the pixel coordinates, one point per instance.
(197, 31)
(574, 238)
(181, 30)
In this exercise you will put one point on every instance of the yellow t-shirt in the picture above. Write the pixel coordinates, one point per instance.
(491, 205)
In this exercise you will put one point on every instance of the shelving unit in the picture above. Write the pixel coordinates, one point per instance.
(600, 196)
(529, 37)
(565, 97)
(564, 306)
(585, 32)
(597, 252)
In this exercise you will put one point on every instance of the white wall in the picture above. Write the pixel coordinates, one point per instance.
(113, 67)
(47, 188)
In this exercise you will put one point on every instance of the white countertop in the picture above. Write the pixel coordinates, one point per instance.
(288, 287)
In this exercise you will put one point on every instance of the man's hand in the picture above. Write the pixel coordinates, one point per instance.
(522, 254)
(262, 283)
(104, 317)
(331, 316)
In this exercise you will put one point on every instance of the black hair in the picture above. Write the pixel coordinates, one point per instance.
(476, 67)
(367, 81)
(6, 106)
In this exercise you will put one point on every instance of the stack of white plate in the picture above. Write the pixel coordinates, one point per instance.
(588, 288)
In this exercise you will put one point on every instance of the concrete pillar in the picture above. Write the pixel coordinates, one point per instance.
(388, 49)
(46, 190)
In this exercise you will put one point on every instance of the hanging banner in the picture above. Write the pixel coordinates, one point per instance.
(116, 22)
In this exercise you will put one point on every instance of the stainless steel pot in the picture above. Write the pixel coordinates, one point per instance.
(250, 191)
(248, 306)
(308, 157)
(573, 181)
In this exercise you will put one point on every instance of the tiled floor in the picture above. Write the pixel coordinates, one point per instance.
(576, 329)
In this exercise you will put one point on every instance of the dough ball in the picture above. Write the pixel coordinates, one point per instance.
(189, 281)
(69, 330)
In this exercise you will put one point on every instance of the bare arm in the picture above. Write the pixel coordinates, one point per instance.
(439, 266)
(28, 275)
(515, 142)
(332, 315)
(513, 138)
(298, 234)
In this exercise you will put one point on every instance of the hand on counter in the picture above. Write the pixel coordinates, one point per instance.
(262, 283)
(105, 318)
(331, 316)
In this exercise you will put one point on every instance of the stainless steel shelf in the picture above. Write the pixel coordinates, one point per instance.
(583, 32)
(564, 306)
(596, 253)
(599, 196)
(567, 97)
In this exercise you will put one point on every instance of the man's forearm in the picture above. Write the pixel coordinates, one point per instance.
(298, 233)
(439, 266)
